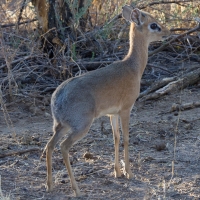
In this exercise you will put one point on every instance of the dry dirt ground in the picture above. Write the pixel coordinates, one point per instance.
(152, 148)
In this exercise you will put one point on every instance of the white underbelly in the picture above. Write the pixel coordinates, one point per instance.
(109, 111)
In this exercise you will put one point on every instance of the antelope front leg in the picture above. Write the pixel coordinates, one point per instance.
(125, 116)
(116, 135)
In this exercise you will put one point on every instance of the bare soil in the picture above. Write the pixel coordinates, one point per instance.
(153, 129)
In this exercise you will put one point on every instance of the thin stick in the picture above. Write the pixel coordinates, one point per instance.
(164, 2)
(13, 24)
(19, 152)
(175, 134)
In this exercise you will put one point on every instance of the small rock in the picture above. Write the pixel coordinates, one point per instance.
(175, 113)
(64, 176)
(36, 139)
(62, 181)
(160, 147)
(24, 189)
(88, 155)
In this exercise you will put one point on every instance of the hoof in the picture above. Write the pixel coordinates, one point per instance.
(129, 175)
(117, 173)
(49, 187)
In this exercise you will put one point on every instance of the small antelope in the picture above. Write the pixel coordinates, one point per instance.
(111, 91)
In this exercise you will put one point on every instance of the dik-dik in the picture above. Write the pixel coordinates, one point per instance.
(108, 91)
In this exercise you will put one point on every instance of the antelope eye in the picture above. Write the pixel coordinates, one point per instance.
(154, 26)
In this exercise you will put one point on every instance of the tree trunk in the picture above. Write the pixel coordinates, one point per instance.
(56, 21)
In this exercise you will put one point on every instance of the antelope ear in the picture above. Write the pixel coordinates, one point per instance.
(136, 16)
(126, 12)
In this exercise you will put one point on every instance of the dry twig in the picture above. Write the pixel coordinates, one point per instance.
(19, 152)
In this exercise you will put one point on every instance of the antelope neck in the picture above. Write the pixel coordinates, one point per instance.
(138, 50)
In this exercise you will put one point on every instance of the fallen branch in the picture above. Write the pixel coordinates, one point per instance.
(19, 152)
(186, 106)
(188, 79)
(157, 85)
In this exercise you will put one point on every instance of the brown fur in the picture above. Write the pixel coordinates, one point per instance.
(109, 91)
